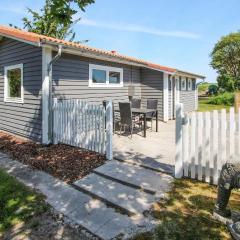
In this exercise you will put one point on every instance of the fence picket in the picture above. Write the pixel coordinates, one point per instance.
(215, 146)
(186, 146)
(199, 144)
(223, 138)
(231, 134)
(207, 146)
(193, 145)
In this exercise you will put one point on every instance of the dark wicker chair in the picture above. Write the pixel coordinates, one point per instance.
(136, 103)
(126, 118)
(151, 104)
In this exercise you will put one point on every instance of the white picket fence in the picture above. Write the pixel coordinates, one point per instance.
(83, 125)
(204, 142)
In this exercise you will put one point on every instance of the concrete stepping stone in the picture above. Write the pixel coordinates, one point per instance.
(129, 199)
(92, 214)
(148, 163)
(136, 176)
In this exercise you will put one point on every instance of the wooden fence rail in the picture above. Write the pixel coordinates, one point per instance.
(204, 142)
(83, 125)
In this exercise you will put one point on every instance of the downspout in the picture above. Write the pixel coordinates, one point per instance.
(49, 69)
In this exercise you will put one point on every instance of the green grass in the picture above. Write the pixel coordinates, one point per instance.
(187, 213)
(18, 204)
(204, 106)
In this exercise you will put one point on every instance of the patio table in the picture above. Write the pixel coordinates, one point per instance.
(144, 112)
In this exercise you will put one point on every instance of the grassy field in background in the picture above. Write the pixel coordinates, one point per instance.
(204, 106)
(187, 213)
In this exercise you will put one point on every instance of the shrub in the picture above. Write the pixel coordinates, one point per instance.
(226, 98)
(212, 89)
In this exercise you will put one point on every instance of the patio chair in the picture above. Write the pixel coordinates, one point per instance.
(151, 104)
(126, 118)
(136, 103)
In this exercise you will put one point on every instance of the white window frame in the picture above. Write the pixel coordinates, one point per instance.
(185, 86)
(190, 87)
(6, 87)
(107, 69)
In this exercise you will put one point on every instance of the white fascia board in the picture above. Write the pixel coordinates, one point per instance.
(21, 40)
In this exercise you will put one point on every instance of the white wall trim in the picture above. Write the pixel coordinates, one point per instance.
(177, 90)
(46, 88)
(165, 97)
(7, 98)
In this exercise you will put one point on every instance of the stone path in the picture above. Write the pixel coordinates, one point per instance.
(94, 201)
(128, 187)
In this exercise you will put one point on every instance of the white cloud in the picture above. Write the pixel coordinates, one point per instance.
(138, 28)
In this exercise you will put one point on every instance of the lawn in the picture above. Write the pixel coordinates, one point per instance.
(203, 106)
(187, 213)
(24, 214)
(18, 204)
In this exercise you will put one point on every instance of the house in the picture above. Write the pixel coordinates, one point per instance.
(36, 68)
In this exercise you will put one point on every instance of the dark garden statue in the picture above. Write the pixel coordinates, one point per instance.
(229, 179)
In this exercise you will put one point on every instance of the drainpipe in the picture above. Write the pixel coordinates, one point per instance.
(50, 119)
(59, 54)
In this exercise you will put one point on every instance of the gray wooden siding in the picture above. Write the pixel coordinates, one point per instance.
(22, 119)
(71, 79)
(188, 98)
(152, 88)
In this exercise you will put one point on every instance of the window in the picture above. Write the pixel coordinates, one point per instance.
(13, 83)
(104, 76)
(189, 84)
(183, 84)
(99, 76)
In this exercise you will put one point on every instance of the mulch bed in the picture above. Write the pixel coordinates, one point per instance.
(62, 161)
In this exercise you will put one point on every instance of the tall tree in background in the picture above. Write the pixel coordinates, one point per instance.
(226, 61)
(56, 18)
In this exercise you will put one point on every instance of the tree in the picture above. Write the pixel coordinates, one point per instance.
(56, 18)
(226, 61)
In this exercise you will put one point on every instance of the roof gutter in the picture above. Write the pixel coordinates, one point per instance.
(84, 53)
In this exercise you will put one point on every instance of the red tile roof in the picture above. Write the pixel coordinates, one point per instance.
(38, 39)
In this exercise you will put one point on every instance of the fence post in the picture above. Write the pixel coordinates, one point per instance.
(109, 130)
(179, 140)
(55, 121)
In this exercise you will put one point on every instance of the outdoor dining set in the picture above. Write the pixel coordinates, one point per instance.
(128, 115)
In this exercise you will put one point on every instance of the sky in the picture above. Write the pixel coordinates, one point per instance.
(179, 34)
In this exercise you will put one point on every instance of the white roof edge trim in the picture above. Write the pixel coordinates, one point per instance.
(21, 40)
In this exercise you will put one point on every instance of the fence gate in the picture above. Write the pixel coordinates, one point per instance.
(83, 125)
(204, 142)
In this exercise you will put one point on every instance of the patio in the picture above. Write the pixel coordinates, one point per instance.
(155, 151)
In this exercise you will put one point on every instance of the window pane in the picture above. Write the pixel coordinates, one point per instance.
(14, 83)
(98, 76)
(114, 77)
